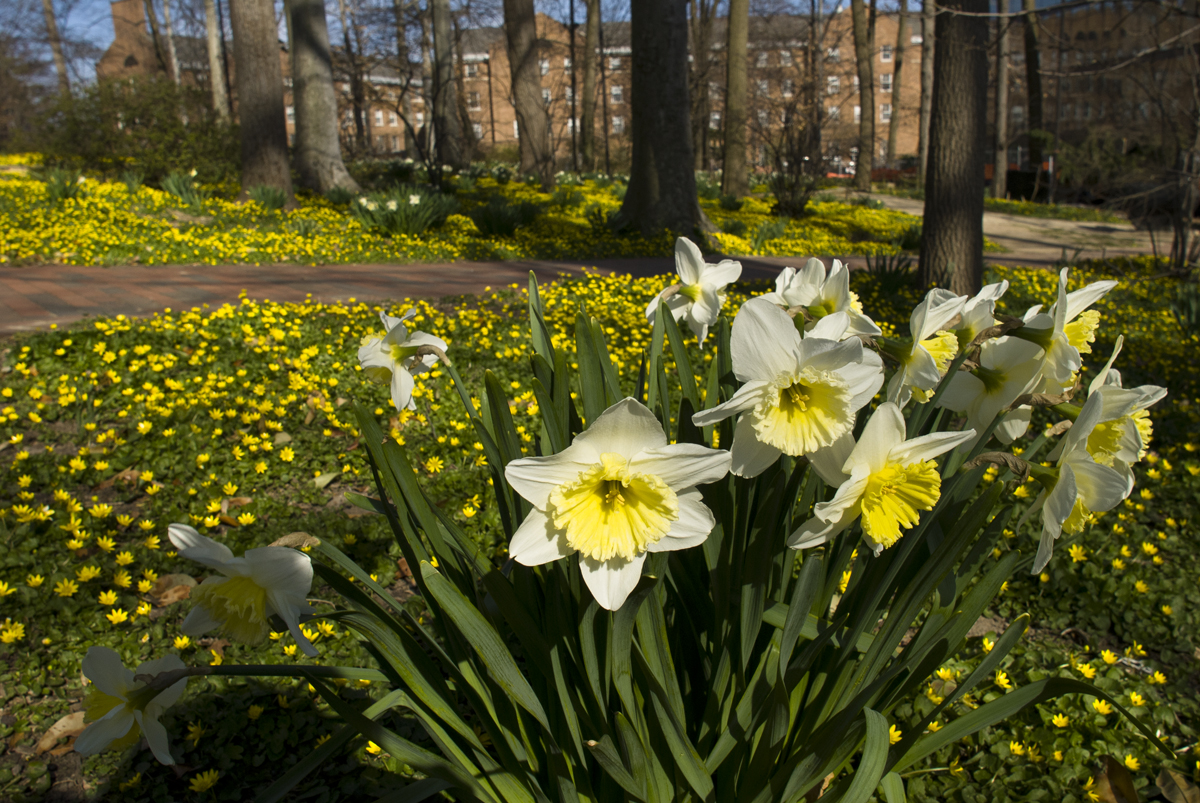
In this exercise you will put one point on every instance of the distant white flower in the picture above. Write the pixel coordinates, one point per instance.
(392, 205)
(799, 395)
(393, 357)
(1082, 486)
(413, 200)
(363, 200)
(822, 295)
(923, 362)
(885, 479)
(700, 293)
(120, 710)
(264, 582)
(618, 492)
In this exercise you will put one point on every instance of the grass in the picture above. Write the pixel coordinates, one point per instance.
(1055, 211)
(232, 419)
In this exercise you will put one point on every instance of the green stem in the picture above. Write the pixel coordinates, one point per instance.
(165, 680)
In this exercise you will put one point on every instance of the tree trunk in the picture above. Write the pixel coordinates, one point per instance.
(897, 83)
(952, 245)
(425, 138)
(216, 71)
(356, 87)
(60, 61)
(816, 86)
(318, 152)
(702, 67)
(171, 54)
(1000, 162)
(928, 35)
(1033, 83)
(864, 51)
(591, 55)
(446, 123)
(470, 143)
(735, 179)
(260, 97)
(152, 18)
(533, 120)
(662, 185)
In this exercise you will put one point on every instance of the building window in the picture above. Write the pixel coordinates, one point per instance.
(568, 94)
(471, 70)
(1018, 114)
(618, 125)
(916, 39)
(787, 87)
(572, 124)
(392, 119)
(832, 112)
(885, 82)
(834, 54)
(516, 130)
(544, 66)
(473, 101)
(856, 82)
(885, 112)
(764, 119)
(546, 96)
(614, 63)
(785, 58)
(858, 114)
(714, 121)
(885, 53)
(478, 129)
(762, 59)
(381, 142)
(833, 84)
(566, 63)
(379, 117)
(291, 114)
(395, 142)
(618, 94)
(420, 119)
(764, 88)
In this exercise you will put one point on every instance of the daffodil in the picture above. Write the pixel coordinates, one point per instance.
(1078, 486)
(618, 492)
(397, 355)
(119, 709)
(1007, 369)
(1065, 333)
(820, 295)
(979, 312)
(700, 292)
(886, 480)
(927, 356)
(799, 395)
(264, 582)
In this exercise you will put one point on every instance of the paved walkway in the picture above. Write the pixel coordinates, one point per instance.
(38, 296)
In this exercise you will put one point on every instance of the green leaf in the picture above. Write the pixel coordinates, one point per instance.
(415, 792)
(326, 478)
(538, 331)
(606, 755)
(683, 363)
(366, 502)
(892, 786)
(873, 762)
(682, 750)
(486, 641)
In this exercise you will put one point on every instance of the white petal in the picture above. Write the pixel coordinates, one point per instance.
(536, 541)
(197, 547)
(830, 355)
(1014, 425)
(749, 456)
(1060, 501)
(705, 311)
(724, 272)
(746, 397)
(419, 338)
(98, 735)
(693, 526)
(1100, 487)
(961, 391)
(688, 261)
(764, 342)
(922, 370)
(402, 388)
(103, 667)
(283, 569)
(927, 447)
(831, 517)
(156, 735)
(883, 433)
(1089, 416)
(199, 621)
(611, 582)
(1085, 297)
(814, 532)
(682, 465)
(828, 462)
(831, 327)
(1101, 377)
(373, 355)
(535, 478)
(626, 428)
(864, 378)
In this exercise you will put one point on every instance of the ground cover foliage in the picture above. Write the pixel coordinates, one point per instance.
(235, 420)
(109, 222)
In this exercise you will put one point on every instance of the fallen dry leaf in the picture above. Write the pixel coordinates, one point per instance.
(172, 588)
(70, 725)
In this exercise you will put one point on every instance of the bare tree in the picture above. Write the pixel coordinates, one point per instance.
(155, 36)
(355, 77)
(734, 176)
(171, 54)
(703, 15)
(260, 97)
(897, 82)
(318, 151)
(591, 56)
(533, 121)
(952, 241)
(56, 47)
(928, 37)
(1000, 162)
(216, 69)
(662, 184)
(1033, 82)
(864, 51)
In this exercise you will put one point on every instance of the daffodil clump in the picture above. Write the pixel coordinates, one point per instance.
(236, 426)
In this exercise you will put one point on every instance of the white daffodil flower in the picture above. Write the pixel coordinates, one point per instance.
(619, 491)
(822, 295)
(979, 313)
(270, 580)
(886, 480)
(1082, 486)
(1007, 368)
(700, 293)
(1065, 333)
(798, 396)
(393, 358)
(120, 710)
(923, 362)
